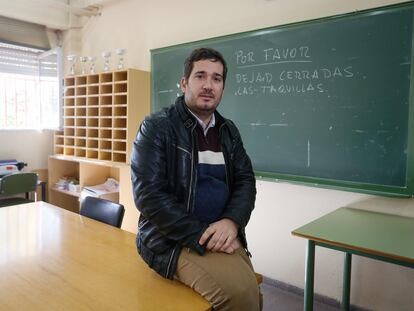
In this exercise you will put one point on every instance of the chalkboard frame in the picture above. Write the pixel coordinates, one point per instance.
(368, 188)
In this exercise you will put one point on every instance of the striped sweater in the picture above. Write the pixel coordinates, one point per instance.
(211, 193)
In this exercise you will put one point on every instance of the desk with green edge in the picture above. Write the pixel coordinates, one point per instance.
(375, 235)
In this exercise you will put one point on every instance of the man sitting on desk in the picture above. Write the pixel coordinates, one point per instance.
(194, 186)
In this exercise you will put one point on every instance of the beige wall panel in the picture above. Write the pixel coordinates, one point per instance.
(130, 222)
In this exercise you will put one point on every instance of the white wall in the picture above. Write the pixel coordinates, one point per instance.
(140, 26)
(30, 146)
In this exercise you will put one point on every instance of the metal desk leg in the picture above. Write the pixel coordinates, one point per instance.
(346, 286)
(43, 185)
(309, 276)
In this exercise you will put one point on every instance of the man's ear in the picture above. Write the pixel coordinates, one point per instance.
(183, 85)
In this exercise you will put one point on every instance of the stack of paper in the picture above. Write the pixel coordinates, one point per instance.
(108, 190)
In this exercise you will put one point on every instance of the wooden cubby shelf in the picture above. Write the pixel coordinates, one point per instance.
(91, 171)
(101, 114)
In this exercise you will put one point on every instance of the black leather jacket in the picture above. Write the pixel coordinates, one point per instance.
(164, 173)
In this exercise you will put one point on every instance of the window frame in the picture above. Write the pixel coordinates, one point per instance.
(59, 76)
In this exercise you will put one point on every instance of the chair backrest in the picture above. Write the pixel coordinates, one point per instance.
(18, 183)
(102, 210)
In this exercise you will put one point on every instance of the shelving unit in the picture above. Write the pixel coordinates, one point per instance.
(90, 173)
(102, 113)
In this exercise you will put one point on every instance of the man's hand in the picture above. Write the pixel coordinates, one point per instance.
(221, 236)
(232, 248)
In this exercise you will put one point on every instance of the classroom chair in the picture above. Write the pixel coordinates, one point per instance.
(13, 185)
(102, 210)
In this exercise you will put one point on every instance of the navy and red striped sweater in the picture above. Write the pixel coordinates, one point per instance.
(211, 193)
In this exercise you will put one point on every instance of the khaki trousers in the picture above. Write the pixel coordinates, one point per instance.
(227, 281)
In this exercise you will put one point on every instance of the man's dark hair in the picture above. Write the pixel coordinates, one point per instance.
(202, 54)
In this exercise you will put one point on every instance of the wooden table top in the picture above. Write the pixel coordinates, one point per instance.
(373, 233)
(53, 259)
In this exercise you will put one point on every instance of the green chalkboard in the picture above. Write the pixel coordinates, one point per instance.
(325, 102)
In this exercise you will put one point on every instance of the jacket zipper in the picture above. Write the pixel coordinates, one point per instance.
(188, 200)
(182, 149)
(170, 262)
(192, 168)
(225, 160)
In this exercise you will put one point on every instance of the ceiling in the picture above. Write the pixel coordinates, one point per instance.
(54, 14)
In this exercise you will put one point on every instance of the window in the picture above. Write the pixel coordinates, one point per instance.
(30, 87)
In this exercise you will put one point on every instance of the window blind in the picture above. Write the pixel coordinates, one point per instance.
(23, 33)
(30, 87)
(18, 59)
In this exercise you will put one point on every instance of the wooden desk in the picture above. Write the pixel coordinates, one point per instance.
(53, 259)
(375, 235)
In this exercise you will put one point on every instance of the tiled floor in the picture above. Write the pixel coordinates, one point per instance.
(275, 299)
